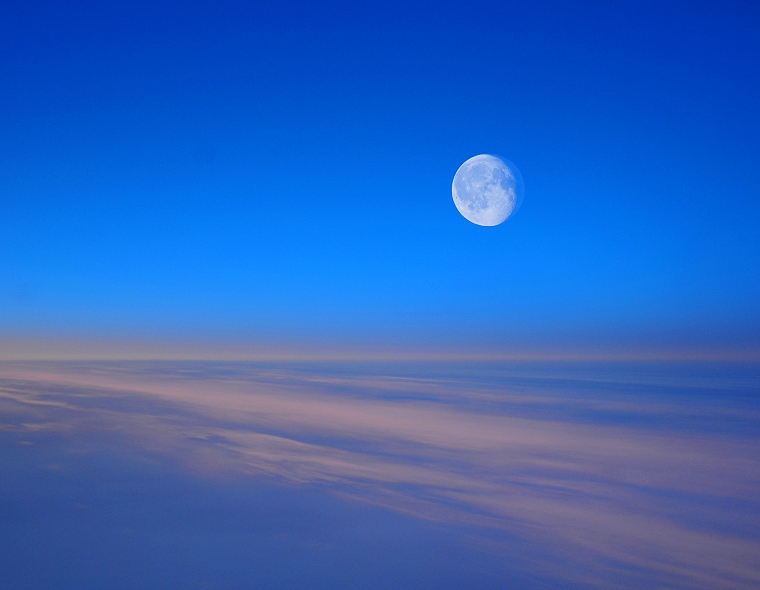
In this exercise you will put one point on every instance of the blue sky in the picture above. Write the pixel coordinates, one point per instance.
(283, 173)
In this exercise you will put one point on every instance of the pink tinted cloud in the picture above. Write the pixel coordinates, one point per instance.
(589, 491)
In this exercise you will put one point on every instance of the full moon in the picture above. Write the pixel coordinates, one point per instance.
(487, 189)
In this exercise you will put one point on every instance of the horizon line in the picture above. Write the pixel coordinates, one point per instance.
(70, 349)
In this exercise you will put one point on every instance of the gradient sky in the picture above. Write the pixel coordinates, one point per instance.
(283, 171)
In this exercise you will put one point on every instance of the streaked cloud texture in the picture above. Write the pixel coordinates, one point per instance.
(625, 475)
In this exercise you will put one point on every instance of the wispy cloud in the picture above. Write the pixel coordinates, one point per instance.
(636, 502)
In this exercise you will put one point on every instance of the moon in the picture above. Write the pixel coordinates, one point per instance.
(487, 189)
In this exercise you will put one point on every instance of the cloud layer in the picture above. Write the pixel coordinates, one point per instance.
(617, 477)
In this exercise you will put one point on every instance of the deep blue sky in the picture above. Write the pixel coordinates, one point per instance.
(266, 172)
